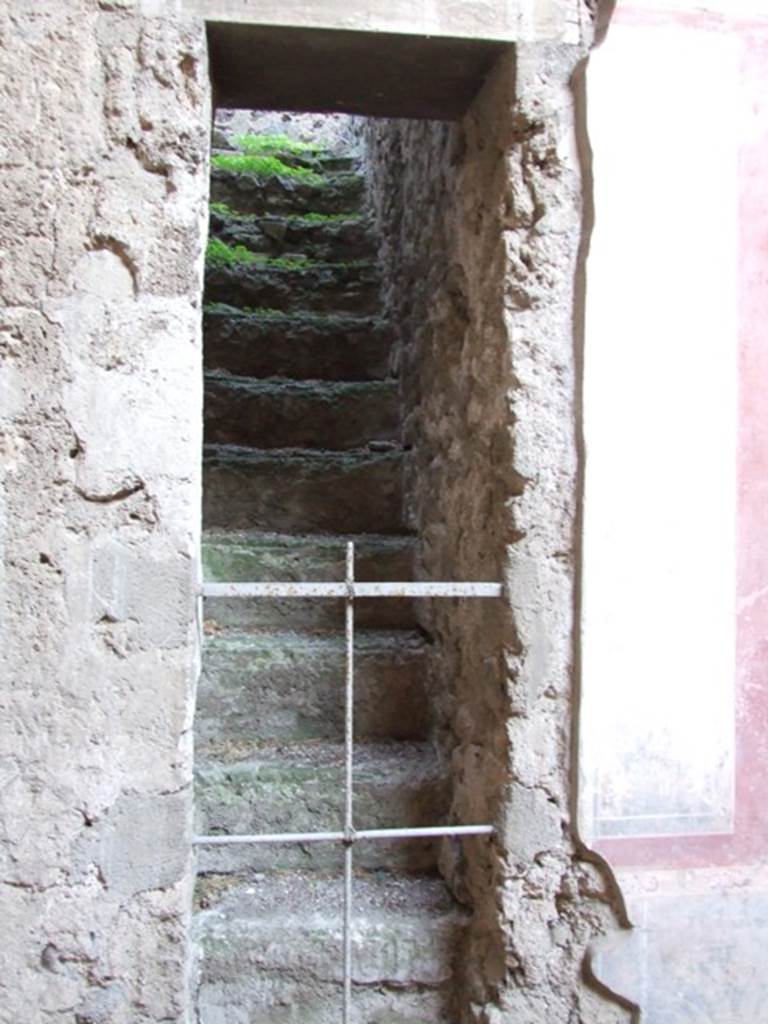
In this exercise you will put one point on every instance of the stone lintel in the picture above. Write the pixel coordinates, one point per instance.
(333, 71)
(504, 21)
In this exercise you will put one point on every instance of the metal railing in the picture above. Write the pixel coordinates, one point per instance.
(350, 590)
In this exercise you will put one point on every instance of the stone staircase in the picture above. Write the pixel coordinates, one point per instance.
(302, 454)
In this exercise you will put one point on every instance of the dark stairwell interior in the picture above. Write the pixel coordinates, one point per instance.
(303, 453)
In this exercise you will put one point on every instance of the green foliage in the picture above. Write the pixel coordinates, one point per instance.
(219, 254)
(222, 209)
(226, 211)
(326, 218)
(288, 263)
(256, 144)
(264, 167)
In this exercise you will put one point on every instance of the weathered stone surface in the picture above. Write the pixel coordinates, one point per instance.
(242, 555)
(105, 125)
(232, 556)
(337, 133)
(104, 152)
(299, 490)
(286, 931)
(296, 346)
(343, 193)
(275, 236)
(541, 21)
(300, 788)
(287, 685)
(318, 287)
(482, 226)
(270, 711)
(300, 414)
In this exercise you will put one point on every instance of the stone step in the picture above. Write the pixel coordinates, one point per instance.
(335, 163)
(301, 491)
(314, 287)
(320, 161)
(289, 686)
(296, 346)
(271, 950)
(240, 556)
(300, 788)
(247, 193)
(270, 413)
(336, 239)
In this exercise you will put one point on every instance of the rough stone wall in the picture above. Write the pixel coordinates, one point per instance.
(103, 190)
(483, 222)
(336, 132)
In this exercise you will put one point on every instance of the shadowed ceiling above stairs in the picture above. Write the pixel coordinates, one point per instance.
(379, 75)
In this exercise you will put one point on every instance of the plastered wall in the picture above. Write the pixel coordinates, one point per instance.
(103, 191)
(675, 744)
(484, 225)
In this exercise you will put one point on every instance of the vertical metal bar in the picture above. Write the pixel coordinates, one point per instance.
(349, 736)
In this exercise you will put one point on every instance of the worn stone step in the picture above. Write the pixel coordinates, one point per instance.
(300, 788)
(341, 238)
(247, 193)
(322, 161)
(314, 287)
(241, 556)
(297, 346)
(289, 686)
(296, 490)
(339, 162)
(270, 413)
(271, 950)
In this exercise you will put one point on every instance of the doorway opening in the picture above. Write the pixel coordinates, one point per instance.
(357, 357)
(305, 457)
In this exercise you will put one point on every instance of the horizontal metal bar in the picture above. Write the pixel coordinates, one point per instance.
(429, 832)
(275, 590)
(340, 590)
(273, 837)
(425, 833)
(428, 589)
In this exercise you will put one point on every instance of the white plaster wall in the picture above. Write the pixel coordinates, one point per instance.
(660, 422)
(673, 751)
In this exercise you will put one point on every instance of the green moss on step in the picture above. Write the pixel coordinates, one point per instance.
(219, 254)
(220, 208)
(224, 210)
(255, 144)
(264, 167)
(325, 218)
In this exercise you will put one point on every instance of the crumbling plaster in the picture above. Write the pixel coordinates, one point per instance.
(484, 228)
(103, 190)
